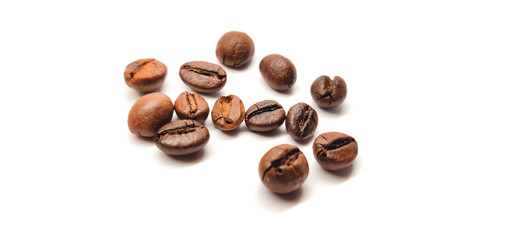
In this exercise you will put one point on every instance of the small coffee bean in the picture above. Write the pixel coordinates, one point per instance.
(203, 76)
(145, 75)
(235, 49)
(149, 113)
(265, 116)
(283, 168)
(335, 150)
(182, 137)
(228, 113)
(301, 121)
(191, 106)
(278, 71)
(328, 93)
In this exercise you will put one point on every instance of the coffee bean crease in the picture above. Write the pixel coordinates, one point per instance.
(205, 72)
(286, 160)
(304, 120)
(264, 109)
(179, 130)
(139, 67)
(336, 144)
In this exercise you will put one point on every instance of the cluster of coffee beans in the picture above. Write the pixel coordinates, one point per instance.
(283, 168)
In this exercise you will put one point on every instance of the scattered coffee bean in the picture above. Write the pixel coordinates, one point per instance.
(283, 168)
(191, 106)
(145, 75)
(278, 71)
(328, 93)
(301, 121)
(182, 137)
(335, 150)
(265, 116)
(203, 76)
(228, 113)
(235, 49)
(149, 113)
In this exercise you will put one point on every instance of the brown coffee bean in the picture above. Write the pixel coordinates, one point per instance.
(145, 75)
(301, 121)
(328, 93)
(235, 49)
(203, 76)
(278, 71)
(191, 106)
(182, 137)
(283, 168)
(228, 113)
(335, 150)
(149, 113)
(265, 116)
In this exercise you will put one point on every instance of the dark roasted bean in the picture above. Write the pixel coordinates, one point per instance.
(203, 76)
(283, 168)
(265, 116)
(235, 49)
(182, 137)
(191, 106)
(328, 93)
(301, 121)
(278, 71)
(335, 150)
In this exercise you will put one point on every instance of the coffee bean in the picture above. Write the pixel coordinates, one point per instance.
(149, 113)
(203, 76)
(301, 121)
(335, 150)
(228, 113)
(182, 137)
(328, 93)
(278, 71)
(145, 75)
(235, 49)
(265, 116)
(283, 168)
(191, 106)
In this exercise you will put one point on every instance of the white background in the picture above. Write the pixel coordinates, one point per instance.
(426, 102)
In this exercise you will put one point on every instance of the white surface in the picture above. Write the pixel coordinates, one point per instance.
(426, 103)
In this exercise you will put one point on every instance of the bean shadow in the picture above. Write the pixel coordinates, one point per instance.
(238, 130)
(277, 202)
(336, 111)
(182, 161)
(274, 133)
(344, 174)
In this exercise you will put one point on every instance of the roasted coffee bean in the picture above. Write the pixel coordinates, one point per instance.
(335, 150)
(283, 168)
(191, 106)
(182, 137)
(228, 113)
(149, 113)
(203, 76)
(265, 116)
(278, 71)
(145, 75)
(235, 49)
(328, 93)
(301, 121)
